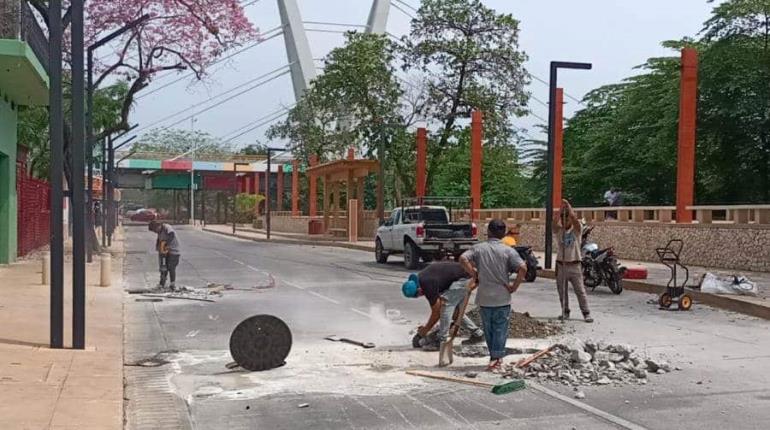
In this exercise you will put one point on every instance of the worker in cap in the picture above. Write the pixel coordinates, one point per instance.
(444, 285)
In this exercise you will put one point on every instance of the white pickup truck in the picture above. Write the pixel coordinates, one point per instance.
(422, 232)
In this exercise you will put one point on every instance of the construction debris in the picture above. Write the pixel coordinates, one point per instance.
(591, 363)
(522, 326)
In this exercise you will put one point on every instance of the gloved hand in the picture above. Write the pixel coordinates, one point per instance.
(416, 341)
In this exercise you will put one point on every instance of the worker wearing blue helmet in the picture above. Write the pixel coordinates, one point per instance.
(444, 284)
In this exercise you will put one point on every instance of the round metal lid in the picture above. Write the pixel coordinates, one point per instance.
(261, 342)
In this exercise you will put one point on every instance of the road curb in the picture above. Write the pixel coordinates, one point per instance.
(330, 244)
(722, 302)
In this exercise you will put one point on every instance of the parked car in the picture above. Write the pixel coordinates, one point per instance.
(144, 215)
(423, 232)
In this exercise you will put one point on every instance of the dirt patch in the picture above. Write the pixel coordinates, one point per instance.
(522, 326)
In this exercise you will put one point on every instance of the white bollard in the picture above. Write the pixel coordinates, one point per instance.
(105, 279)
(46, 275)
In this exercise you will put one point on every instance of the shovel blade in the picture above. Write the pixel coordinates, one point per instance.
(445, 354)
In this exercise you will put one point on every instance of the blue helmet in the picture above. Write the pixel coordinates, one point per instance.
(409, 288)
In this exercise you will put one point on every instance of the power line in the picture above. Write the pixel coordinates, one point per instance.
(250, 123)
(402, 10)
(244, 49)
(407, 5)
(261, 124)
(544, 82)
(259, 84)
(333, 24)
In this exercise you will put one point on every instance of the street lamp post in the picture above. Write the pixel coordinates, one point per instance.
(555, 66)
(193, 120)
(89, 117)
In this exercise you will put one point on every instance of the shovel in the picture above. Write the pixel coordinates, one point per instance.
(365, 345)
(446, 353)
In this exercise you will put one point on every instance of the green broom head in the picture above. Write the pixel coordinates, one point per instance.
(509, 387)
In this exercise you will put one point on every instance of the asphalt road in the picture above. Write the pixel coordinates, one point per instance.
(322, 291)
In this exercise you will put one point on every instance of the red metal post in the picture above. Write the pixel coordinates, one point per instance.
(685, 172)
(422, 156)
(279, 191)
(476, 160)
(558, 148)
(313, 190)
(294, 187)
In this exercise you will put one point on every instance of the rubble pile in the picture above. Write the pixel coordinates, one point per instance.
(522, 326)
(591, 363)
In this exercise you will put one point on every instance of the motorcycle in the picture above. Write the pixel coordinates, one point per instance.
(526, 254)
(600, 266)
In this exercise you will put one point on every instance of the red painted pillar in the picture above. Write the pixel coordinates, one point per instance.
(256, 182)
(558, 148)
(294, 187)
(351, 154)
(249, 184)
(422, 157)
(685, 166)
(313, 190)
(279, 191)
(476, 160)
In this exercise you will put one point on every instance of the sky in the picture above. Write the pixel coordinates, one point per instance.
(613, 35)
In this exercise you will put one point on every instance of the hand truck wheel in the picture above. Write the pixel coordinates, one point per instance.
(665, 301)
(685, 302)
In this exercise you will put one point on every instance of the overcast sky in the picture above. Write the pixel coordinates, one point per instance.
(614, 35)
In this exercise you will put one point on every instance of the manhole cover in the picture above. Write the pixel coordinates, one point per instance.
(261, 342)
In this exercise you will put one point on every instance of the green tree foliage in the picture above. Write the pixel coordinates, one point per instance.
(354, 103)
(33, 125)
(626, 136)
(471, 56)
(503, 184)
(173, 142)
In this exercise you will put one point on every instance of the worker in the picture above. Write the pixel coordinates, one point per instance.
(511, 237)
(492, 263)
(566, 234)
(167, 245)
(444, 284)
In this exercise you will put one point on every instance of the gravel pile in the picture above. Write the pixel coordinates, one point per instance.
(591, 363)
(522, 326)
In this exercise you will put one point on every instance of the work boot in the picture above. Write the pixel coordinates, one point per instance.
(172, 286)
(474, 339)
(564, 316)
(587, 318)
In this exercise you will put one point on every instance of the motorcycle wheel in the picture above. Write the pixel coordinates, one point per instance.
(531, 274)
(613, 281)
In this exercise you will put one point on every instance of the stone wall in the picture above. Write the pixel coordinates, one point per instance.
(735, 247)
(289, 224)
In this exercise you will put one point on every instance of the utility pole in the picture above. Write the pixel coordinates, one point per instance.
(192, 171)
(555, 66)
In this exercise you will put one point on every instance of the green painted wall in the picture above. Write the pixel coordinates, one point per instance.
(8, 123)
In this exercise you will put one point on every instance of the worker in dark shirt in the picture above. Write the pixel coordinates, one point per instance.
(444, 285)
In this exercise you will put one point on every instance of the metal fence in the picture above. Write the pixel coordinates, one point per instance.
(18, 21)
(33, 211)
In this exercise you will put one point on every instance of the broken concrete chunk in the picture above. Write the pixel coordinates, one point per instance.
(640, 373)
(580, 395)
(604, 381)
(652, 366)
(579, 356)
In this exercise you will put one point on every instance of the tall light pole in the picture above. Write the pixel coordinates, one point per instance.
(89, 116)
(56, 134)
(555, 66)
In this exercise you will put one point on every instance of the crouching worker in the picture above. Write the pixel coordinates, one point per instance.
(167, 246)
(445, 285)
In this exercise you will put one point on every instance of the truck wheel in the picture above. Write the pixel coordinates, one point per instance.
(411, 255)
(379, 252)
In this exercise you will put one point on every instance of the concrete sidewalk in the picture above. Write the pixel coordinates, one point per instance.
(658, 274)
(43, 388)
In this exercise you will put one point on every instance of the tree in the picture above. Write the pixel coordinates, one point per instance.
(471, 56)
(354, 103)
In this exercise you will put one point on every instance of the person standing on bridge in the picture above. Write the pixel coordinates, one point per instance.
(566, 233)
(491, 263)
(167, 245)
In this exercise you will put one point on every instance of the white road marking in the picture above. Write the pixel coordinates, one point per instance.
(321, 296)
(587, 408)
(360, 312)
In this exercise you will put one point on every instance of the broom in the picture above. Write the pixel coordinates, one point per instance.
(507, 387)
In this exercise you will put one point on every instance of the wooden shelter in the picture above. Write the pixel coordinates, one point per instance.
(348, 175)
